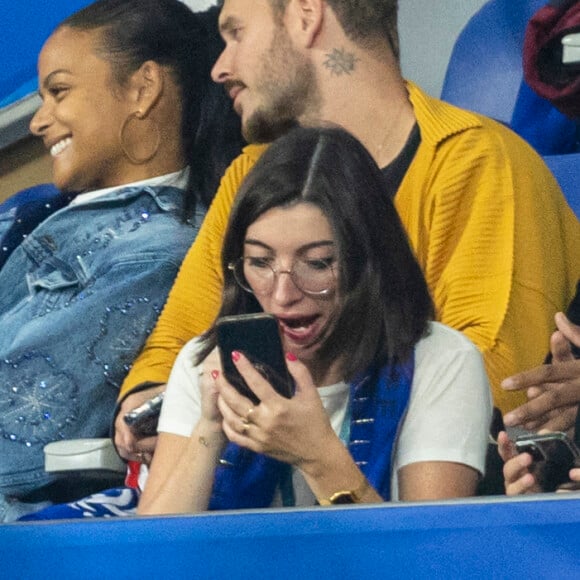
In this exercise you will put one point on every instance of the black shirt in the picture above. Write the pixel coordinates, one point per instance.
(396, 169)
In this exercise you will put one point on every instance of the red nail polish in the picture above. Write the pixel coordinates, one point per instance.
(291, 356)
(215, 374)
(235, 356)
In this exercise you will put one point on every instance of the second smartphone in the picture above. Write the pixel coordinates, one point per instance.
(554, 454)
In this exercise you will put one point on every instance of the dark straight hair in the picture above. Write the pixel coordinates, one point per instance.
(169, 33)
(384, 301)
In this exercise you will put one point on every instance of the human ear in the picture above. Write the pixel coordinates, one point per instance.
(305, 18)
(146, 86)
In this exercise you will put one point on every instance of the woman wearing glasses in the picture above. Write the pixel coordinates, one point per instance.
(388, 405)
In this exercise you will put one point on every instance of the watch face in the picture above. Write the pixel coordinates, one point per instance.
(343, 497)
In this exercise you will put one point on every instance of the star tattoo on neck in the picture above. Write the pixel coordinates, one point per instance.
(340, 62)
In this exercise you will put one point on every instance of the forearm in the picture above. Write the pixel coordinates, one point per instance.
(336, 471)
(182, 476)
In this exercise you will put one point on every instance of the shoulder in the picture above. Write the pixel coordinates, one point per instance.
(464, 157)
(254, 152)
(446, 360)
(445, 125)
(235, 173)
(437, 119)
(246, 159)
(442, 339)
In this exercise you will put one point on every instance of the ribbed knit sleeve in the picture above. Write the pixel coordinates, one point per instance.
(498, 244)
(195, 297)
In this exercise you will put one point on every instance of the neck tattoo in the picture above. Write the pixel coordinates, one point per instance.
(340, 62)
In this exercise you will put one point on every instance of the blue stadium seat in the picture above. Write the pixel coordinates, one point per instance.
(485, 75)
(566, 169)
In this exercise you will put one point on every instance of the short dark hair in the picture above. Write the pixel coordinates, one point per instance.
(188, 43)
(385, 304)
(364, 21)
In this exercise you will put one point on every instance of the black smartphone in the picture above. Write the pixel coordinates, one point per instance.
(144, 418)
(554, 454)
(258, 338)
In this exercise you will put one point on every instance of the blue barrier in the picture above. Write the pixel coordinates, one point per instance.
(535, 537)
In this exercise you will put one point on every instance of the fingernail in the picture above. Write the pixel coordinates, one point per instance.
(291, 357)
(235, 356)
(510, 420)
(507, 383)
(215, 374)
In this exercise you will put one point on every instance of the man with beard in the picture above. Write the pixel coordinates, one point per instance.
(498, 245)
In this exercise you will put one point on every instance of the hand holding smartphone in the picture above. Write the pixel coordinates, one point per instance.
(553, 454)
(258, 338)
(144, 418)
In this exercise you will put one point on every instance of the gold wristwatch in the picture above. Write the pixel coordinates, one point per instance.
(347, 496)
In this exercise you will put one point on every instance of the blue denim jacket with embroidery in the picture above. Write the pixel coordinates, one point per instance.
(78, 298)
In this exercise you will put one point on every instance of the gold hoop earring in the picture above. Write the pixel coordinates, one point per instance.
(138, 116)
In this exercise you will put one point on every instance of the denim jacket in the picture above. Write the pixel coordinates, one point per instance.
(78, 298)
(23, 211)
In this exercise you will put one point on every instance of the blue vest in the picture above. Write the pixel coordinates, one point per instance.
(377, 404)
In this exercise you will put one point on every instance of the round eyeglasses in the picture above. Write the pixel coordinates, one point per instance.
(258, 275)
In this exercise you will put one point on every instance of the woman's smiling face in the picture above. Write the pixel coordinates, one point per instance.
(82, 112)
(283, 237)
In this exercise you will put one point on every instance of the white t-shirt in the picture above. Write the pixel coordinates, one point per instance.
(447, 418)
(177, 179)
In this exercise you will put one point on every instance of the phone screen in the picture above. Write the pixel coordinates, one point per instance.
(258, 337)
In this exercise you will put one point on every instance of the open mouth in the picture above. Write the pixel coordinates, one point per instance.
(300, 329)
(59, 147)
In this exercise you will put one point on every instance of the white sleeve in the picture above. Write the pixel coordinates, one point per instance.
(449, 411)
(181, 408)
